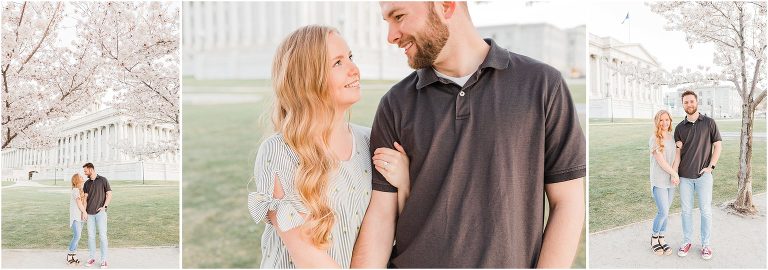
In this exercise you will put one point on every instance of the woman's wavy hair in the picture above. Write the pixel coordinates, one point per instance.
(304, 113)
(659, 131)
(77, 182)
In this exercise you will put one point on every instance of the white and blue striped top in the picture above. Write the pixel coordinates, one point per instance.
(349, 195)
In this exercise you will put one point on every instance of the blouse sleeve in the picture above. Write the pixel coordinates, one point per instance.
(272, 160)
(652, 145)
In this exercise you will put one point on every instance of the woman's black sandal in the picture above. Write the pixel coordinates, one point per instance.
(657, 248)
(72, 260)
(667, 248)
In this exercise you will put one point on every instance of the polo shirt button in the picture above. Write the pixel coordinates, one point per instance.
(462, 93)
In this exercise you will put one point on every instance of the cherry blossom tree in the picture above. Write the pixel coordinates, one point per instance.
(42, 81)
(738, 31)
(126, 50)
(139, 43)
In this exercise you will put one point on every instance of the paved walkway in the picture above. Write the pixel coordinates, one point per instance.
(737, 242)
(26, 183)
(150, 257)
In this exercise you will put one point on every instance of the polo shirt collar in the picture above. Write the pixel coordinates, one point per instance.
(701, 117)
(497, 58)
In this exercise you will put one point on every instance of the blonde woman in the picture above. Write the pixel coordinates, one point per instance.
(663, 177)
(77, 216)
(313, 177)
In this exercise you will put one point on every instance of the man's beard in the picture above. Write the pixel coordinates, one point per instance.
(691, 110)
(430, 44)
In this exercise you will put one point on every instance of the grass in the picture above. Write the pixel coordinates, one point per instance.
(619, 189)
(139, 216)
(578, 93)
(727, 125)
(220, 144)
(112, 182)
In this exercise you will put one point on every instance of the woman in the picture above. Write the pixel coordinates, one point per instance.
(76, 217)
(663, 177)
(313, 177)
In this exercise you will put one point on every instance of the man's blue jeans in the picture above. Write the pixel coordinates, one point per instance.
(702, 186)
(99, 221)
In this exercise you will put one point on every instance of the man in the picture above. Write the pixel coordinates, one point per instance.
(98, 195)
(487, 132)
(699, 146)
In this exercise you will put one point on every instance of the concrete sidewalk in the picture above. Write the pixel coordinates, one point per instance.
(149, 257)
(736, 242)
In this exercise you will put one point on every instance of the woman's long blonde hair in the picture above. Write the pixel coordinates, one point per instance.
(659, 130)
(303, 112)
(77, 182)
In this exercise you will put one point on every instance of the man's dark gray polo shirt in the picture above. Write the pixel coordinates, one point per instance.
(97, 193)
(479, 158)
(697, 138)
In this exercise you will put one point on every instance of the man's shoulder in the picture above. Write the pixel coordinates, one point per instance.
(406, 85)
(681, 123)
(400, 90)
(519, 63)
(101, 177)
(708, 119)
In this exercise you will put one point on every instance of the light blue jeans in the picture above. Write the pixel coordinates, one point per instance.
(702, 186)
(663, 198)
(99, 221)
(77, 229)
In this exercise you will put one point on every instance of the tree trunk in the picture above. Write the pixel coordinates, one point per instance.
(744, 203)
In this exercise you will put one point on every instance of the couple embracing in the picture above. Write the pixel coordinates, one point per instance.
(453, 171)
(685, 159)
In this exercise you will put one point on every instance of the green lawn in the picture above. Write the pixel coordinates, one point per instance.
(139, 216)
(730, 125)
(220, 144)
(619, 189)
(578, 93)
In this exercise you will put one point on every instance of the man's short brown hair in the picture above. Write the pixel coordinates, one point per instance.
(88, 165)
(689, 92)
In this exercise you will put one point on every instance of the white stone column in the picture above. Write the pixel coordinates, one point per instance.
(199, 21)
(277, 16)
(134, 133)
(92, 148)
(65, 153)
(80, 147)
(263, 32)
(107, 143)
(71, 146)
(87, 145)
(75, 150)
(233, 28)
(248, 22)
(58, 151)
(187, 26)
(123, 138)
(99, 144)
(221, 22)
(210, 24)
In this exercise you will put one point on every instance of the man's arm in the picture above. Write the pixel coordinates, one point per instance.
(108, 199)
(566, 220)
(374, 242)
(85, 204)
(717, 147)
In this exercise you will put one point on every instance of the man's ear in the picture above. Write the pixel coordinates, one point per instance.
(448, 8)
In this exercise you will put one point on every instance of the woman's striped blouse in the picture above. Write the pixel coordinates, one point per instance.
(349, 194)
